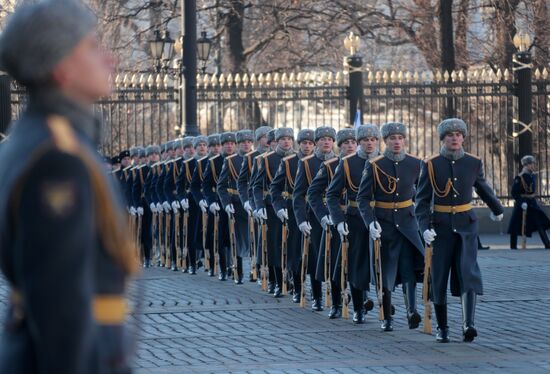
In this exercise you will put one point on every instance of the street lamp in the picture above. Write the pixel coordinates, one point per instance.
(204, 44)
(167, 46)
(523, 68)
(354, 65)
(157, 47)
(522, 41)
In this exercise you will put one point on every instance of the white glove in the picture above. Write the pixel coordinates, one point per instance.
(375, 230)
(429, 236)
(343, 229)
(326, 221)
(214, 207)
(166, 207)
(175, 206)
(230, 209)
(140, 211)
(133, 211)
(248, 208)
(203, 205)
(159, 208)
(305, 228)
(262, 214)
(282, 214)
(184, 204)
(496, 218)
(524, 206)
(153, 207)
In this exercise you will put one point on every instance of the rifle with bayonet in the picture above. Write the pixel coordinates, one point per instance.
(138, 238)
(154, 230)
(305, 258)
(185, 234)
(177, 238)
(168, 237)
(233, 243)
(265, 265)
(252, 243)
(428, 254)
(344, 277)
(162, 239)
(216, 241)
(284, 256)
(204, 241)
(378, 277)
(328, 238)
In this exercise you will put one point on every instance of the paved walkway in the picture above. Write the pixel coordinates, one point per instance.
(197, 324)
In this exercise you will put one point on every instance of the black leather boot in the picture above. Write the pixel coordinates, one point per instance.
(469, 331)
(317, 295)
(513, 241)
(297, 287)
(409, 292)
(387, 324)
(368, 304)
(357, 299)
(239, 279)
(544, 238)
(335, 311)
(442, 335)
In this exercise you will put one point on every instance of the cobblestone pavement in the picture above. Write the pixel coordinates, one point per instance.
(197, 324)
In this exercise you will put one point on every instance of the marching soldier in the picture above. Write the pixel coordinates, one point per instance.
(229, 197)
(244, 185)
(269, 163)
(65, 249)
(214, 148)
(282, 189)
(188, 203)
(155, 204)
(527, 215)
(308, 223)
(446, 218)
(210, 191)
(124, 158)
(149, 200)
(347, 178)
(385, 203)
(316, 195)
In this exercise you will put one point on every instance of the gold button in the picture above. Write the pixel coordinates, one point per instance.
(397, 163)
(397, 194)
(452, 162)
(395, 210)
(456, 179)
(396, 225)
(397, 179)
(454, 230)
(454, 195)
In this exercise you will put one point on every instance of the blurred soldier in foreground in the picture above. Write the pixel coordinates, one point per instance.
(64, 247)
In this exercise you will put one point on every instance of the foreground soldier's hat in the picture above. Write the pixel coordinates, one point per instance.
(271, 136)
(528, 159)
(187, 142)
(261, 131)
(213, 139)
(343, 135)
(323, 131)
(284, 131)
(451, 125)
(306, 134)
(228, 137)
(367, 131)
(200, 139)
(152, 149)
(244, 135)
(38, 36)
(393, 128)
(125, 153)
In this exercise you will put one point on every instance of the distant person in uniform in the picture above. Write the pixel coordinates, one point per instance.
(64, 247)
(524, 192)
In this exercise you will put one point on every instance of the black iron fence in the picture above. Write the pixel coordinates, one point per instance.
(144, 109)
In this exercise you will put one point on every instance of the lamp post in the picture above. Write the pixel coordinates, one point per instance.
(157, 47)
(204, 45)
(523, 73)
(354, 63)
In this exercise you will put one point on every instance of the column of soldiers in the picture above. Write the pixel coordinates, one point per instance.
(348, 219)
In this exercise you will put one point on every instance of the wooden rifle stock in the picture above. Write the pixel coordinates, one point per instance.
(177, 238)
(154, 230)
(168, 237)
(305, 255)
(523, 225)
(328, 238)
(161, 239)
(426, 289)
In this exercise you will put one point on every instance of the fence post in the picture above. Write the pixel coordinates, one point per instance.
(355, 90)
(190, 63)
(523, 72)
(5, 102)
